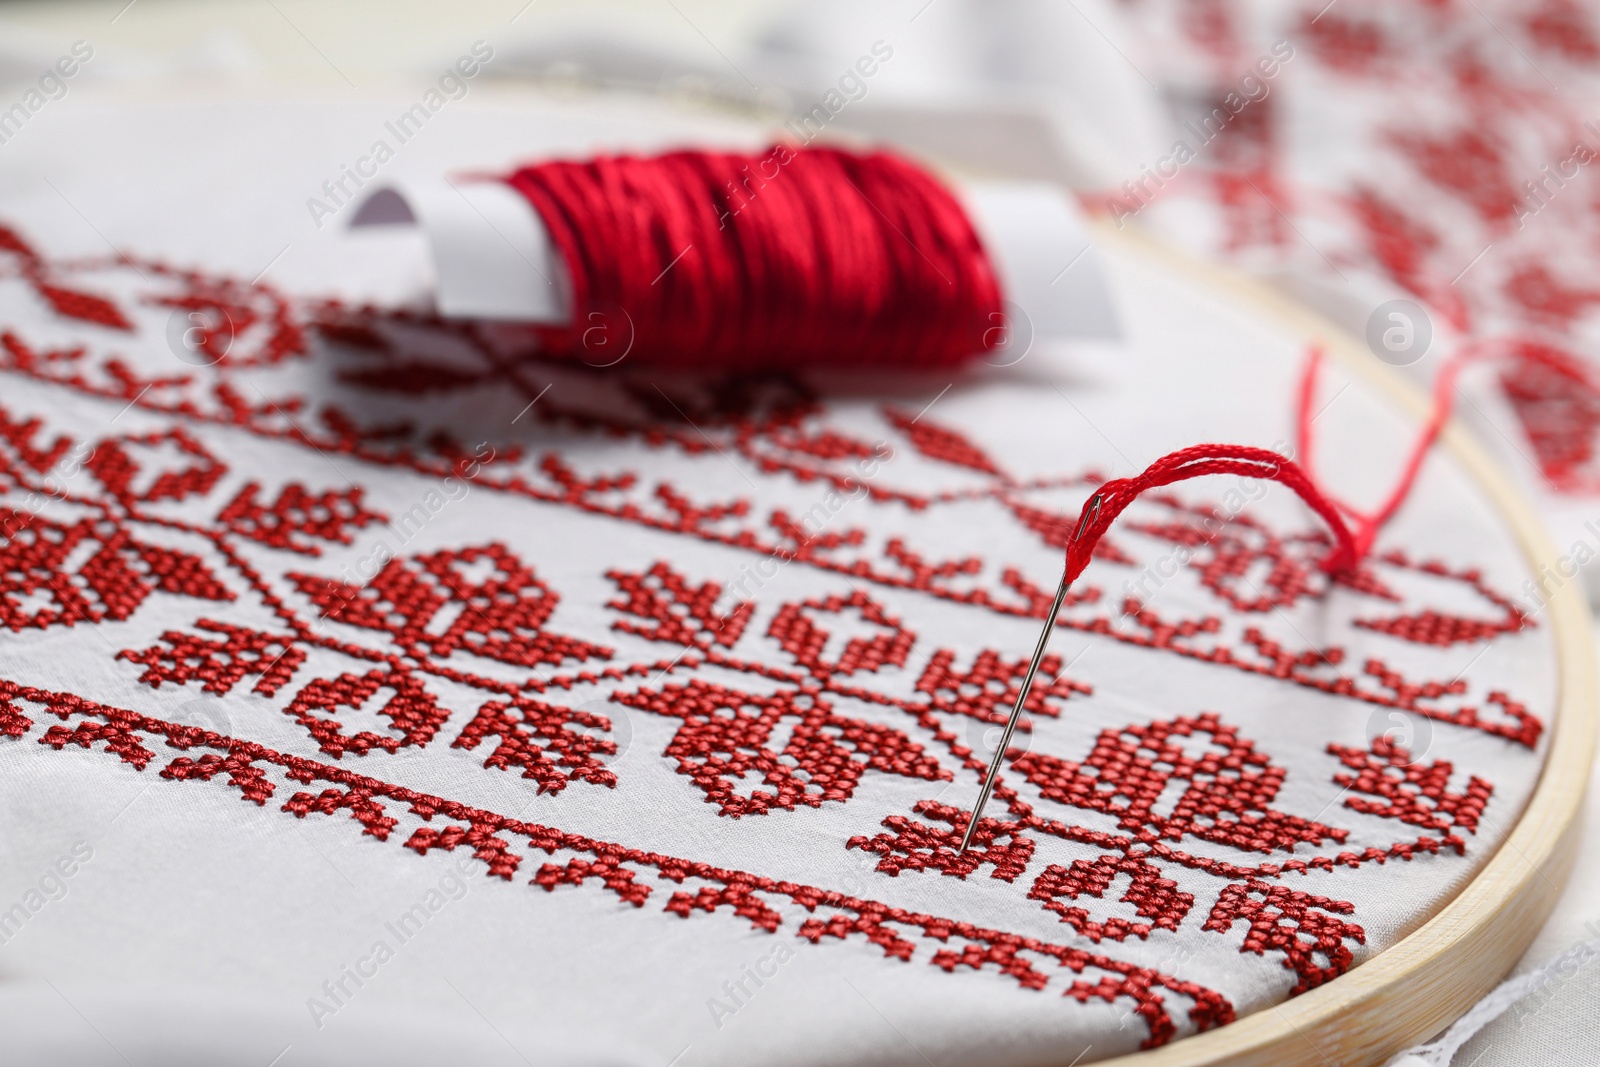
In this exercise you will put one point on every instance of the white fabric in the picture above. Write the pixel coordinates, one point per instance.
(1525, 994)
(189, 886)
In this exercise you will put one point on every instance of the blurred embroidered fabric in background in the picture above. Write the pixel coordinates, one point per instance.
(1420, 172)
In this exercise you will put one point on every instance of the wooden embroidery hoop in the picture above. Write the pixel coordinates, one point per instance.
(1410, 992)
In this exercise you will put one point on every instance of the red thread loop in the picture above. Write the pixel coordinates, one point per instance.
(1367, 524)
(1195, 462)
(790, 258)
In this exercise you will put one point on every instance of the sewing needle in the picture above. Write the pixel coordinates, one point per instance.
(1022, 696)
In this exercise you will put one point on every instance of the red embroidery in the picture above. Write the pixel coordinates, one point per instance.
(1226, 799)
(1156, 898)
(537, 738)
(1562, 28)
(241, 770)
(1245, 565)
(357, 800)
(725, 738)
(114, 463)
(13, 723)
(739, 895)
(786, 737)
(21, 436)
(1344, 44)
(936, 442)
(1434, 628)
(117, 735)
(918, 847)
(118, 573)
(1544, 295)
(482, 835)
(988, 690)
(612, 875)
(1410, 791)
(683, 614)
(1398, 242)
(1468, 164)
(231, 323)
(1558, 405)
(219, 662)
(768, 904)
(806, 641)
(70, 303)
(749, 426)
(500, 617)
(1299, 925)
(415, 714)
(297, 515)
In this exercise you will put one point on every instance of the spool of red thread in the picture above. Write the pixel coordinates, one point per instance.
(785, 259)
(793, 257)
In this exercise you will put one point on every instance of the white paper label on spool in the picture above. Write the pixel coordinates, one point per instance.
(1048, 266)
(493, 258)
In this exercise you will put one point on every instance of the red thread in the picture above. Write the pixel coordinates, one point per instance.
(412, 710)
(723, 745)
(1409, 790)
(1109, 501)
(1154, 897)
(1298, 924)
(219, 662)
(538, 740)
(915, 846)
(296, 515)
(1227, 790)
(788, 258)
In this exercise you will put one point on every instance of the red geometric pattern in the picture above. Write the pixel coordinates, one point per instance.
(297, 518)
(219, 662)
(769, 905)
(69, 303)
(39, 587)
(233, 323)
(725, 747)
(21, 436)
(796, 629)
(414, 713)
(243, 774)
(681, 613)
(358, 800)
(1558, 403)
(499, 614)
(1245, 565)
(1410, 790)
(535, 736)
(937, 442)
(1156, 898)
(1495, 153)
(917, 846)
(1227, 786)
(825, 686)
(155, 466)
(1299, 925)
(614, 876)
(988, 690)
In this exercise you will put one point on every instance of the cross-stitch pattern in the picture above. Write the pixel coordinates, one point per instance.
(786, 604)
